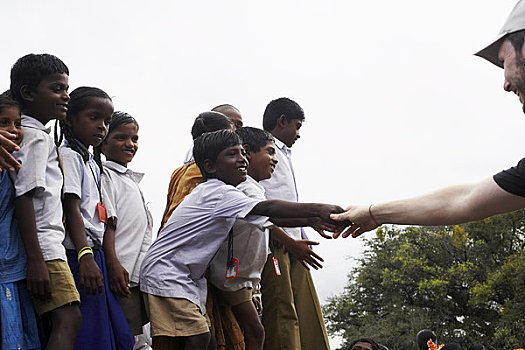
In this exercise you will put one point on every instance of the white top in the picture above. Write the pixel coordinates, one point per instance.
(282, 183)
(40, 172)
(250, 247)
(175, 264)
(125, 203)
(82, 179)
(189, 155)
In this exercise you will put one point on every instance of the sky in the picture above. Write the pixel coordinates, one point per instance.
(396, 104)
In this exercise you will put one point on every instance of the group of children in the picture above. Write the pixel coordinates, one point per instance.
(76, 234)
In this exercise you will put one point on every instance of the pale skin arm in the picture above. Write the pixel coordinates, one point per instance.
(447, 206)
(6, 147)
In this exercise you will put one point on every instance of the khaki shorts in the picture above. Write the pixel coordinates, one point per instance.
(63, 289)
(134, 310)
(174, 317)
(238, 297)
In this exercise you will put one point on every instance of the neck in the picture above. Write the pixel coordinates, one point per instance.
(37, 116)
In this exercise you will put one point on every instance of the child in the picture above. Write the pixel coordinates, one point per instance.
(39, 83)
(292, 312)
(18, 325)
(88, 116)
(128, 233)
(173, 270)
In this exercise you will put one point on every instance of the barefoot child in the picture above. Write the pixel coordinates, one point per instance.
(18, 326)
(173, 270)
(104, 325)
(128, 233)
(39, 83)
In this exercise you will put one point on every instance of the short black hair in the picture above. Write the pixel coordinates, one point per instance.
(375, 346)
(31, 69)
(255, 138)
(210, 144)
(423, 337)
(6, 101)
(516, 39)
(223, 107)
(208, 122)
(281, 106)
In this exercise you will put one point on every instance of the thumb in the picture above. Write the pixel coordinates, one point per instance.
(338, 217)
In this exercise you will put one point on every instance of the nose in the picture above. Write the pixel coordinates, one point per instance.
(274, 160)
(129, 142)
(507, 86)
(12, 129)
(65, 96)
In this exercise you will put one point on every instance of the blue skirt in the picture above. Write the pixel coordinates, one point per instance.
(104, 326)
(17, 318)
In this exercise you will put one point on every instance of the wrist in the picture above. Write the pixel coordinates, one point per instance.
(84, 252)
(372, 217)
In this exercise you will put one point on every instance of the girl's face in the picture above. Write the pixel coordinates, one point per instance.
(90, 125)
(121, 144)
(10, 121)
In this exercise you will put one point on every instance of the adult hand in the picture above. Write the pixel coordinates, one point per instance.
(91, 279)
(301, 251)
(38, 283)
(118, 279)
(360, 218)
(6, 147)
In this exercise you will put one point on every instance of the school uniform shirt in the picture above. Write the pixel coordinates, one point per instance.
(282, 183)
(12, 253)
(250, 247)
(125, 203)
(174, 265)
(83, 180)
(40, 172)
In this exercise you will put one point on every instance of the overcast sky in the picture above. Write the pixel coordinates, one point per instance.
(396, 104)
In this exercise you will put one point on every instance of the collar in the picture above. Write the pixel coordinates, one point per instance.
(136, 176)
(33, 123)
(279, 144)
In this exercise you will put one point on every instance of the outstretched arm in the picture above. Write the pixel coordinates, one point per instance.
(447, 206)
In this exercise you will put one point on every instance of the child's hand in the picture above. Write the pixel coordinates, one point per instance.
(91, 278)
(38, 283)
(118, 279)
(301, 251)
(6, 147)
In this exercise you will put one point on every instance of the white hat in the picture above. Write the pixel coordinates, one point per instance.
(515, 22)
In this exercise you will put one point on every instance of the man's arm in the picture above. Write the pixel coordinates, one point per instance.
(38, 283)
(6, 147)
(90, 276)
(447, 206)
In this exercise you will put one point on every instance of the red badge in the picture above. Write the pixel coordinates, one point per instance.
(101, 210)
(276, 266)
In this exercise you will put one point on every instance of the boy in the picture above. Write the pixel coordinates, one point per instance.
(173, 270)
(292, 313)
(40, 83)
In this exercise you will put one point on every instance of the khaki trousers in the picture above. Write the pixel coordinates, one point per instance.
(292, 316)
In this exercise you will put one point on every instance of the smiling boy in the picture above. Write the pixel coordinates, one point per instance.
(173, 270)
(40, 83)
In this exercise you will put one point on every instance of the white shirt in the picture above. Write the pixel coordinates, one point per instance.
(125, 203)
(250, 247)
(40, 172)
(175, 264)
(282, 183)
(189, 155)
(82, 179)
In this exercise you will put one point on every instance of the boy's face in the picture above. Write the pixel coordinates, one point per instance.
(10, 121)
(289, 130)
(50, 99)
(262, 163)
(230, 167)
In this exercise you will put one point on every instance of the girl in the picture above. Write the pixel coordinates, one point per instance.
(103, 323)
(17, 326)
(128, 233)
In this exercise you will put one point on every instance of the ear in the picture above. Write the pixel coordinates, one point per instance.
(282, 121)
(26, 93)
(248, 151)
(209, 167)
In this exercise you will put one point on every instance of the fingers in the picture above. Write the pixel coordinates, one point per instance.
(339, 217)
(7, 161)
(322, 233)
(304, 264)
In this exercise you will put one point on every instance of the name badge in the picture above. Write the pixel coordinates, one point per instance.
(101, 210)
(232, 270)
(276, 266)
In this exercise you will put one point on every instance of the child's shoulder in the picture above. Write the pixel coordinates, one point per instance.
(252, 188)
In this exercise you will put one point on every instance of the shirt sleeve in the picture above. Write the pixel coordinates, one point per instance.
(33, 158)
(108, 195)
(73, 168)
(235, 204)
(512, 180)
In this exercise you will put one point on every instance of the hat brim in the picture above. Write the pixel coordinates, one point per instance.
(490, 53)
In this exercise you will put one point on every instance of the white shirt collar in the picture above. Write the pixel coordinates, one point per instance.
(33, 123)
(123, 170)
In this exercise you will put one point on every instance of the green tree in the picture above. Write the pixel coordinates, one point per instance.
(466, 282)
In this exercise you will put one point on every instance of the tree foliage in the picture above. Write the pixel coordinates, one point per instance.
(465, 282)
